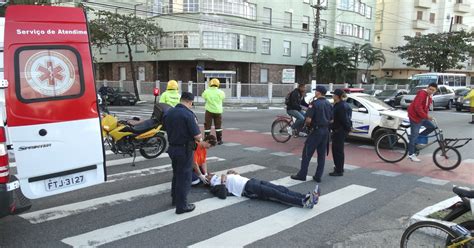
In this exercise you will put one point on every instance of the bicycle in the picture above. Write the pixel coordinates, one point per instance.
(436, 234)
(392, 146)
(282, 128)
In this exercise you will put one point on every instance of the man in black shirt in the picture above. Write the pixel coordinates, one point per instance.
(318, 118)
(341, 126)
(293, 108)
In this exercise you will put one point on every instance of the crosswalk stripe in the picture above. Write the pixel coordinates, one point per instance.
(58, 212)
(283, 220)
(149, 171)
(129, 160)
(130, 228)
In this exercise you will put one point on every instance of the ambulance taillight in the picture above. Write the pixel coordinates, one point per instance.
(4, 173)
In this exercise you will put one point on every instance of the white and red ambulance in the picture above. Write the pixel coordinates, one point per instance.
(48, 105)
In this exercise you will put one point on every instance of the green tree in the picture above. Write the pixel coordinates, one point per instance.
(110, 29)
(371, 56)
(334, 64)
(437, 51)
(22, 2)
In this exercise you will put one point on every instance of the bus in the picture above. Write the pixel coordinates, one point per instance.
(454, 80)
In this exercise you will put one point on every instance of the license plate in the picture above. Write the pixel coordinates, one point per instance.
(132, 100)
(63, 182)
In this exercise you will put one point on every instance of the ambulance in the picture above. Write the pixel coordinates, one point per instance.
(48, 106)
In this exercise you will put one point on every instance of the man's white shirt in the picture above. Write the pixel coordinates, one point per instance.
(234, 183)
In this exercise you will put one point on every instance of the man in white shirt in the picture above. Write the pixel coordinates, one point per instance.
(252, 188)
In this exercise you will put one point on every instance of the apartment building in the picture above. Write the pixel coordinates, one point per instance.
(396, 19)
(255, 41)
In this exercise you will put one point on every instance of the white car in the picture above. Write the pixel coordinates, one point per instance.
(366, 114)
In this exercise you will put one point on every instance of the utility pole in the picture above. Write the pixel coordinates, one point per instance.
(317, 22)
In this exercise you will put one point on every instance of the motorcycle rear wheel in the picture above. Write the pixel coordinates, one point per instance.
(155, 146)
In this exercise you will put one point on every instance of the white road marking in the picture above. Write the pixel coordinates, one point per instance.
(232, 128)
(367, 147)
(231, 144)
(249, 108)
(282, 154)
(469, 160)
(152, 222)
(58, 212)
(351, 167)
(149, 171)
(255, 149)
(276, 108)
(434, 181)
(251, 131)
(278, 222)
(267, 133)
(386, 173)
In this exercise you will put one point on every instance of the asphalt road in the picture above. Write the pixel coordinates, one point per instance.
(368, 207)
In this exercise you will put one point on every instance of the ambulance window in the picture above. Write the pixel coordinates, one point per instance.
(48, 73)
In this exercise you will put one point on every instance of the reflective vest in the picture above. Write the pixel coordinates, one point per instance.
(170, 97)
(214, 98)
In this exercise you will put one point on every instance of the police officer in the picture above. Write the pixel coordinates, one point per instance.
(341, 126)
(214, 98)
(318, 118)
(183, 133)
(171, 95)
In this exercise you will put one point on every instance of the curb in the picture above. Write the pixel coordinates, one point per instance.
(422, 215)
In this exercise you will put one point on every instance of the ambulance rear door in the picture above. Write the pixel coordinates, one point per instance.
(52, 116)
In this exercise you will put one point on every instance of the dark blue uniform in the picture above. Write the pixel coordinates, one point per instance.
(320, 112)
(181, 126)
(340, 128)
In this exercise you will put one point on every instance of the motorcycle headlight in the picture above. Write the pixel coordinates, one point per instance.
(468, 101)
(106, 128)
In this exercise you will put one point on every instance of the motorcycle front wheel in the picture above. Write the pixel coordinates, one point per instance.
(154, 146)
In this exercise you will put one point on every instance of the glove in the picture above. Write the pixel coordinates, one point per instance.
(204, 179)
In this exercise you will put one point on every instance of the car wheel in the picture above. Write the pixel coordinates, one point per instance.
(450, 105)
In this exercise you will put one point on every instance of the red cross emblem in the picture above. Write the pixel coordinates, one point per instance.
(51, 73)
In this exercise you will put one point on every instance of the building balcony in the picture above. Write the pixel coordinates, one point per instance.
(462, 7)
(459, 27)
(420, 24)
(423, 4)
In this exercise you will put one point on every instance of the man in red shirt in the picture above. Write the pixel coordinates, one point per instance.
(200, 156)
(418, 114)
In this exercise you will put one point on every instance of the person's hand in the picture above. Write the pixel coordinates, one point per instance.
(430, 118)
(204, 179)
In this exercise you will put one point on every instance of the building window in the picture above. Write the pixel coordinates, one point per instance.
(267, 16)
(459, 1)
(368, 12)
(367, 34)
(286, 48)
(458, 19)
(361, 33)
(432, 17)
(304, 50)
(228, 41)
(263, 75)
(323, 26)
(418, 34)
(419, 15)
(305, 22)
(179, 40)
(287, 20)
(344, 29)
(266, 46)
(362, 9)
(191, 6)
(123, 73)
(234, 7)
(347, 4)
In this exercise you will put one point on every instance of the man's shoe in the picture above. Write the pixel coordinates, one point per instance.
(336, 174)
(302, 134)
(308, 202)
(413, 158)
(189, 208)
(317, 179)
(471, 122)
(295, 177)
(315, 195)
(220, 142)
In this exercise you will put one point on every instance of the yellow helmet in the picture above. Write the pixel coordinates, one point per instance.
(214, 82)
(172, 85)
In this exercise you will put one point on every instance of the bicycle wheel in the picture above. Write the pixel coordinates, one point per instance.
(281, 130)
(427, 234)
(449, 160)
(391, 147)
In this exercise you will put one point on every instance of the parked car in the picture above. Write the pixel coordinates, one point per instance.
(389, 96)
(444, 97)
(459, 101)
(372, 92)
(353, 90)
(117, 96)
(366, 110)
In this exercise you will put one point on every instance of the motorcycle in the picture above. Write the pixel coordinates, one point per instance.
(124, 137)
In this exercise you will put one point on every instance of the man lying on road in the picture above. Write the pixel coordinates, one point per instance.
(235, 184)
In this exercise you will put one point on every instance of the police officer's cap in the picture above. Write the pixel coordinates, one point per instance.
(338, 92)
(188, 96)
(321, 89)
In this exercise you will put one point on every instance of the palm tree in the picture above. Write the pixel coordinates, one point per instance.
(371, 56)
(333, 64)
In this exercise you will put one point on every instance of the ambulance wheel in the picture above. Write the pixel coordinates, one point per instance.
(154, 146)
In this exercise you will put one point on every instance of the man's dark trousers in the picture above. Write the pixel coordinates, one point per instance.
(317, 140)
(182, 164)
(338, 138)
(268, 191)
